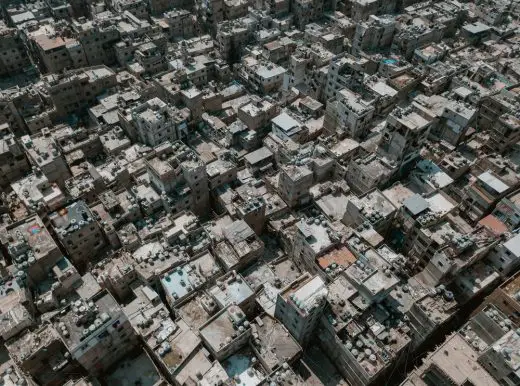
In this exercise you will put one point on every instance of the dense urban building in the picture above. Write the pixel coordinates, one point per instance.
(266, 192)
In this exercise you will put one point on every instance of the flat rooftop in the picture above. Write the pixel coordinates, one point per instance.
(344, 147)
(513, 245)
(152, 259)
(306, 294)
(375, 203)
(189, 277)
(340, 257)
(333, 205)
(243, 370)
(220, 329)
(243, 239)
(457, 359)
(287, 124)
(177, 343)
(30, 232)
(493, 182)
(86, 316)
(231, 289)
(409, 119)
(274, 343)
(31, 342)
(317, 233)
(193, 312)
(135, 371)
(71, 218)
(260, 155)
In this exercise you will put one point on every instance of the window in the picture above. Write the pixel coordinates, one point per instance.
(104, 334)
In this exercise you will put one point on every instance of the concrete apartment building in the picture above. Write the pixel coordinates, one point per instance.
(350, 113)
(299, 305)
(267, 192)
(403, 135)
(96, 332)
(42, 152)
(156, 122)
(72, 91)
(294, 182)
(13, 55)
(78, 231)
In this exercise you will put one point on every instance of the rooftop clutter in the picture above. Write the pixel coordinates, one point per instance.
(284, 192)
